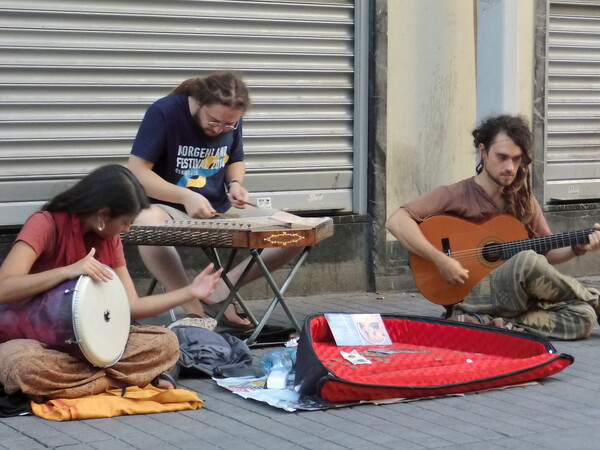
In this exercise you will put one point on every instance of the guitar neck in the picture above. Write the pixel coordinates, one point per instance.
(544, 244)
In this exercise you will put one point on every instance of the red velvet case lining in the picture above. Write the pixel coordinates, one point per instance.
(435, 359)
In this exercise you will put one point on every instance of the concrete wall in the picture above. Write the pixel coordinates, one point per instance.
(431, 109)
(432, 91)
(430, 96)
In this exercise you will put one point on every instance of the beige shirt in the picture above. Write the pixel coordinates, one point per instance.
(467, 200)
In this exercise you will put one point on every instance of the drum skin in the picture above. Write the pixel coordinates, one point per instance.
(101, 319)
(79, 316)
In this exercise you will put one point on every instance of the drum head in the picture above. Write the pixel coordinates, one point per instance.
(101, 319)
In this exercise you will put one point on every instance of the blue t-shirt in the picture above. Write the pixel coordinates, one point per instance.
(182, 154)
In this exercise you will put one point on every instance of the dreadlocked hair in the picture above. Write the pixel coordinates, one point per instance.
(223, 88)
(518, 196)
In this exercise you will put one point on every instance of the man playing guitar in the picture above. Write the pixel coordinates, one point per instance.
(525, 292)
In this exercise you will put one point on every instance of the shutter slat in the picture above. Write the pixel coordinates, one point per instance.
(572, 168)
(76, 77)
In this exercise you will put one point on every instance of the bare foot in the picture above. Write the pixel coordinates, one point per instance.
(232, 316)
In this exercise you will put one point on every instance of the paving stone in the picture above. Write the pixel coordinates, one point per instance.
(22, 444)
(559, 412)
(112, 444)
(518, 443)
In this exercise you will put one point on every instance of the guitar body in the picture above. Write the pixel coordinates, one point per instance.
(464, 241)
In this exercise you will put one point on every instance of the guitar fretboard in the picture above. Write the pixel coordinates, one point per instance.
(543, 244)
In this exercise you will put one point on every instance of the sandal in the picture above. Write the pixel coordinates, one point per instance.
(194, 320)
(465, 318)
(499, 322)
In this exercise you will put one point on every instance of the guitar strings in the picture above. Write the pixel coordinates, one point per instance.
(539, 244)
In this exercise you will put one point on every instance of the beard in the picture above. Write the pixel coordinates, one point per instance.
(198, 129)
(196, 124)
(503, 180)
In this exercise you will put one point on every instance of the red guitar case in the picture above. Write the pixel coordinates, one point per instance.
(428, 357)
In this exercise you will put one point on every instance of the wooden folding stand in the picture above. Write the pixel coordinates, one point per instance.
(255, 234)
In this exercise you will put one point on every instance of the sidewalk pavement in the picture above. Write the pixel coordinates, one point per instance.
(560, 412)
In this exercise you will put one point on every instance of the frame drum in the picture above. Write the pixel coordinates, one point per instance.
(101, 319)
(92, 314)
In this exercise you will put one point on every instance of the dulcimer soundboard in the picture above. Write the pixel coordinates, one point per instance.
(281, 229)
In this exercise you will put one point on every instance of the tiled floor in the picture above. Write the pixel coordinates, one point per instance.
(560, 412)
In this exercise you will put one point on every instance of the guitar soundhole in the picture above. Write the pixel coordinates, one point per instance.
(492, 253)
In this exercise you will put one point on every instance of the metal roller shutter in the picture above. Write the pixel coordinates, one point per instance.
(76, 77)
(572, 170)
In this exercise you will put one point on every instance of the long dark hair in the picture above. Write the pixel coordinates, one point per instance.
(224, 88)
(112, 186)
(518, 196)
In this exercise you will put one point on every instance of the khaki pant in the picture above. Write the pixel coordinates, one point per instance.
(528, 292)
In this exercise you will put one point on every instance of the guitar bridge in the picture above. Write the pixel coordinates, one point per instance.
(446, 246)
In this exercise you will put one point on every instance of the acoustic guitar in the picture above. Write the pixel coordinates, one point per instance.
(480, 248)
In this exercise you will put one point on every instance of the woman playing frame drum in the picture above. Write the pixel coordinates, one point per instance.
(76, 234)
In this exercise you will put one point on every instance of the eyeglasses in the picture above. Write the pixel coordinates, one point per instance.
(211, 122)
(221, 125)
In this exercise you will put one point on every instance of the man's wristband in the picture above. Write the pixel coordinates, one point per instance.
(578, 251)
(229, 183)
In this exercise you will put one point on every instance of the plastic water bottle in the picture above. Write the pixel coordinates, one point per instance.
(278, 365)
(283, 358)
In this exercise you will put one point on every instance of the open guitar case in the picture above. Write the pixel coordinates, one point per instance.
(428, 357)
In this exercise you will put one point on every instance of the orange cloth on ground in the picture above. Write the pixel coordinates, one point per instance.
(112, 403)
